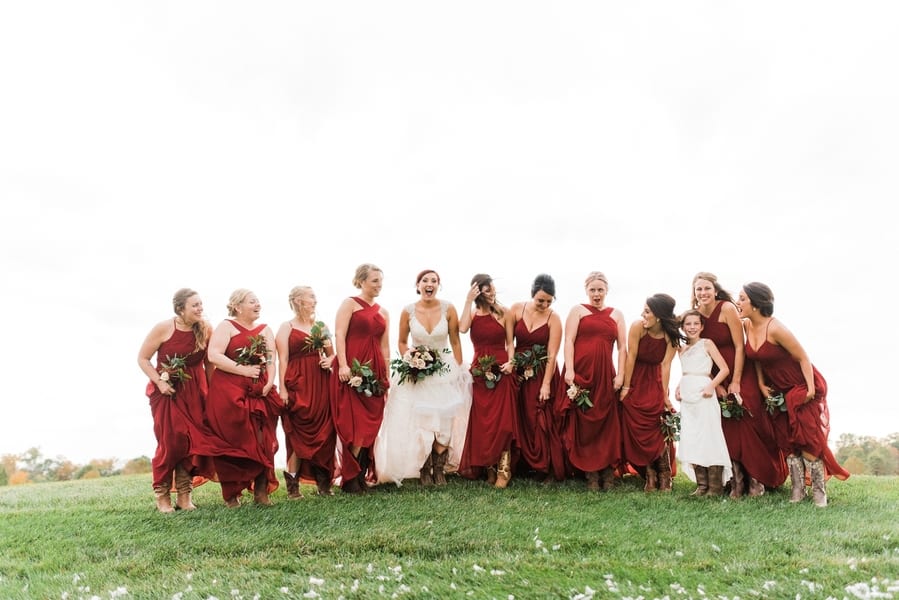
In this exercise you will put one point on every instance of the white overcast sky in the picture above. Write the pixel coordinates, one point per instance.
(147, 146)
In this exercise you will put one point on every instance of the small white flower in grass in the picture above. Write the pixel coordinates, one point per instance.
(355, 586)
(382, 577)
(369, 568)
(497, 572)
(311, 594)
(396, 569)
(556, 546)
(716, 548)
(316, 581)
(403, 588)
(283, 589)
(477, 568)
(678, 588)
(452, 585)
(119, 591)
(454, 571)
(381, 589)
(235, 593)
(811, 585)
(679, 554)
(769, 585)
(189, 576)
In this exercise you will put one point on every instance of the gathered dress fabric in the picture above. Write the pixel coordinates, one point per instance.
(357, 417)
(420, 412)
(492, 422)
(702, 440)
(750, 439)
(243, 423)
(644, 405)
(539, 436)
(809, 422)
(308, 428)
(178, 419)
(592, 436)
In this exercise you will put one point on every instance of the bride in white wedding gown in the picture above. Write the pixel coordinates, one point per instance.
(424, 424)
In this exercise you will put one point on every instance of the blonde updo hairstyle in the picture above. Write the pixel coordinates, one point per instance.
(296, 294)
(237, 297)
(362, 273)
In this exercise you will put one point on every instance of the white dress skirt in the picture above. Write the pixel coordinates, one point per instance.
(417, 414)
(701, 437)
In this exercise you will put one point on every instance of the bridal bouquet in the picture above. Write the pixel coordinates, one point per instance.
(488, 369)
(530, 363)
(419, 362)
(580, 396)
(363, 379)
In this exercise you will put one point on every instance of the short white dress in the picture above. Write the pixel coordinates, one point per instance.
(417, 413)
(701, 437)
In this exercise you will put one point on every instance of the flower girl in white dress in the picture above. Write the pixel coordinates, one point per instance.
(702, 450)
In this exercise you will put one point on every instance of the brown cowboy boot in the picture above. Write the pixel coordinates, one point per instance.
(716, 485)
(664, 469)
(652, 481)
(425, 476)
(592, 481)
(163, 499)
(737, 482)
(702, 480)
(438, 459)
(293, 486)
(184, 485)
(797, 478)
(816, 474)
(607, 476)
(322, 481)
(756, 488)
(260, 490)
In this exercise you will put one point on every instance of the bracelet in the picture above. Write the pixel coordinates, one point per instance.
(625, 388)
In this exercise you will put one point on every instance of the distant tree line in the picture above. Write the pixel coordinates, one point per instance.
(859, 454)
(866, 455)
(32, 467)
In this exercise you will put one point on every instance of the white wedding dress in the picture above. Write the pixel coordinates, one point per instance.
(417, 413)
(701, 437)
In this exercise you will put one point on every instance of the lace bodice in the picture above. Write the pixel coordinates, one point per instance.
(437, 339)
(695, 360)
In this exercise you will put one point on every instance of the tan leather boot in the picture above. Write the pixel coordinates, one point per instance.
(260, 490)
(664, 470)
(184, 485)
(593, 481)
(652, 479)
(607, 476)
(504, 470)
(163, 499)
(293, 486)
(737, 482)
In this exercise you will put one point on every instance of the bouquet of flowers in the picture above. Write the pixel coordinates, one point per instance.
(732, 407)
(580, 396)
(530, 363)
(319, 338)
(419, 362)
(489, 369)
(257, 353)
(670, 423)
(775, 404)
(363, 379)
(173, 370)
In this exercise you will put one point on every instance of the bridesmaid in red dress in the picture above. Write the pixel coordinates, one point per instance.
(652, 343)
(492, 422)
(177, 395)
(539, 439)
(304, 370)
(783, 366)
(361, 333)
(592, 435)
(756, 459)
(243, 405)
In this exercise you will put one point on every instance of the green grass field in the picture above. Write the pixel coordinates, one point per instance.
(104, 539)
